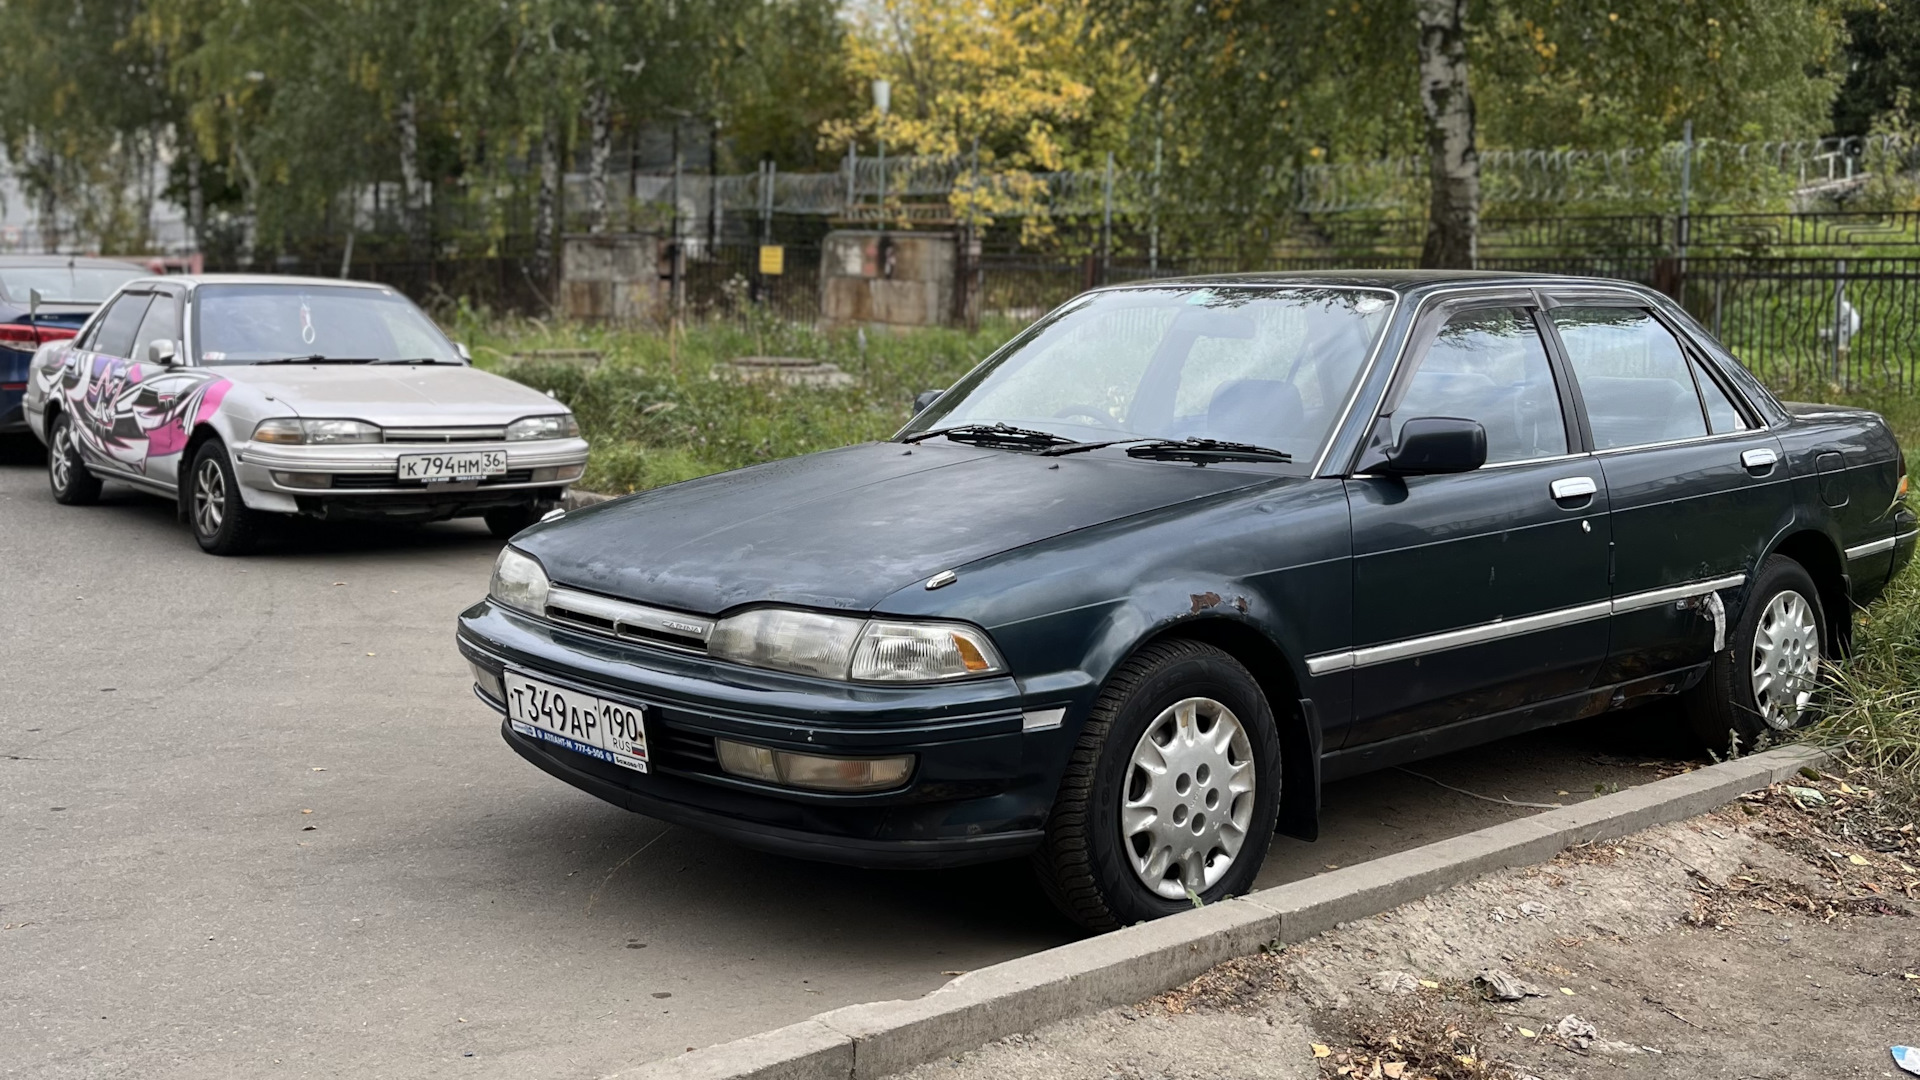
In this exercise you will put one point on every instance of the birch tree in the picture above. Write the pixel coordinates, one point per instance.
(1453, 163)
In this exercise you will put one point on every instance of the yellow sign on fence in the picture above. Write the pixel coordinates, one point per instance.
(773, 259)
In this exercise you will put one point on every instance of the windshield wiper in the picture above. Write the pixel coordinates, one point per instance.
(415, 360)
(318, 358)
(1205, 450)
(994, 435)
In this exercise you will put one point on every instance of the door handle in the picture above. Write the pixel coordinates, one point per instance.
(1574, 487)
(1759, 457)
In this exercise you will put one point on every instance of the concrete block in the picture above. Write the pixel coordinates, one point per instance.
(1315, 905)
(1019, 995)
(808, 1050)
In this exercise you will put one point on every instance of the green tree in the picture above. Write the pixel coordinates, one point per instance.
(1883, 58)
(86, 116)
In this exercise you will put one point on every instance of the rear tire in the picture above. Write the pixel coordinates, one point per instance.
(220, 519)
(67, 475)
(1172, 793)
(1766, 680)
(504, 521)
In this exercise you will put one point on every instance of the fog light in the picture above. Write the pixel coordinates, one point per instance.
(488, 682)
(559, 472)
(303, 479)
(808, 771)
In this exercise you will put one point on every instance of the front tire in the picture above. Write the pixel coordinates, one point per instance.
(1172, 793)
(1765, 682)
(67, 475)
(220, 519)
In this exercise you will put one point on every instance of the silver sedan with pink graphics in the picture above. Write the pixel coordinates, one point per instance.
(247, 398)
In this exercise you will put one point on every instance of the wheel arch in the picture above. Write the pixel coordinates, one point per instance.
(1817, 553)
(1293, 714)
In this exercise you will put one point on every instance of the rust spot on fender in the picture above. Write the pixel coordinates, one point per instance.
(1204, 600)
(1240, 604)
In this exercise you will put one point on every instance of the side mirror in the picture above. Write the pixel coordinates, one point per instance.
(1437, 444)
(461, 348)
(164, 352)
(925, 398)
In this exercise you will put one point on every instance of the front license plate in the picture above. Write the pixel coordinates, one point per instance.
(433, 467)
(606, 730)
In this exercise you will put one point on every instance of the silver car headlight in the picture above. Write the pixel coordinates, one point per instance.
(854, 649)
(293, 430)
(519, 582)
(558, 426)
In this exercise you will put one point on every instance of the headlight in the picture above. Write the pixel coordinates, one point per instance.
(803, 642)
(519, 582)
(294, 430)
(860, 650)
(560, 426)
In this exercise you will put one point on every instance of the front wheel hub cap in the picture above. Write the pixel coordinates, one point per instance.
(1786, 659)
(209, 498)
(1188, 799)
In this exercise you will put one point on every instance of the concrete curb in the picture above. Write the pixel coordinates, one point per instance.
(865, 1042)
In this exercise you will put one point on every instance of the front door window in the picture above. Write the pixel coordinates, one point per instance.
(1490, 366)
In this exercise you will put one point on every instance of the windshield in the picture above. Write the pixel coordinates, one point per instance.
(245, 324)
(1267, 366)
(65, 284)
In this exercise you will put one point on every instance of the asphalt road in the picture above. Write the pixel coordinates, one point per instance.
(254, 824)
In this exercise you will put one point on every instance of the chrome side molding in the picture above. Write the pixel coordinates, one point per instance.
(1326, 663)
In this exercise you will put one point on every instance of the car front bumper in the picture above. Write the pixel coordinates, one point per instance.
(983, 782)
(362, 470)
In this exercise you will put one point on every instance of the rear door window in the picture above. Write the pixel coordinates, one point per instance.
(1722, 415)
(1489, 365)
(1633, 376)
(118, 326)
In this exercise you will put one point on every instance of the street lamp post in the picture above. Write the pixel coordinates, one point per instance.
(882, 100)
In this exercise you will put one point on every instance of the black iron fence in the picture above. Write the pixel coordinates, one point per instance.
(1803, 299)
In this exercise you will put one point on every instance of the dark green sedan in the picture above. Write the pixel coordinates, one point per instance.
(1126, 595)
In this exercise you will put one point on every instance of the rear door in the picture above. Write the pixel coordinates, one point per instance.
(1697, 482)
(106, 365)
(1480, 592)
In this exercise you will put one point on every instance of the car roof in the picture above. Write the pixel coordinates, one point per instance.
(7, 261)
(194, 280)
(1400, 281)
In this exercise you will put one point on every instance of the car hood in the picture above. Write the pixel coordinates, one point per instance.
(846, 528)
(393, 396)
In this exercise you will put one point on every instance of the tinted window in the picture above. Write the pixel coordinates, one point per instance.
(1269, 366)
(1632, 374)
(161, 324)
(1721, 414)
(114, 336)
(1490, 366)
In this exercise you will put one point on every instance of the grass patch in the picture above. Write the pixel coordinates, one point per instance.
(659, 410)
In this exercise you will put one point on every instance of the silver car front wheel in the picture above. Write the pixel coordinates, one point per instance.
(209, 498)
(221, 521)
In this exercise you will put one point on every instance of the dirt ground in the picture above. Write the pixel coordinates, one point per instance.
(1774, 938)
